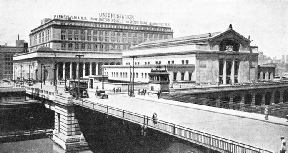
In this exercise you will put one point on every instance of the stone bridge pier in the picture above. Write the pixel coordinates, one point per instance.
(67, 132)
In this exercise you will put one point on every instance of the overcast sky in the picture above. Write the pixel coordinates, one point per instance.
(266, 21)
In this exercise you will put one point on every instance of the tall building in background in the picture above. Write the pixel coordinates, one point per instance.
(109, 32)
(56, 43)
(6, 58)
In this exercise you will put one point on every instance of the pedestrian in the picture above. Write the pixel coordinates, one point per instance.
(283, 145)
(158, 94)
(266, 112)
(144, 92)
(154, 118)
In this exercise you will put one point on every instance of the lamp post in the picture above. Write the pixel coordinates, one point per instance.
(29, 73)
(14, 74)
(133, 75)
(41, 75)
(21, 79)
(78, 93)
(55, 77)
(45, 73)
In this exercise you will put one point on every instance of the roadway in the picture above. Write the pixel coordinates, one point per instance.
(248, 128)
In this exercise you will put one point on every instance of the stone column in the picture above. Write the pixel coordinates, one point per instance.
(263, 99)
(77, 70)
(90, 69)
(242, 102)
(57, 73)
(64, 71)
(272, 102)
(224, 71)
(281, 100)
(233, 72)
(253, 99)
(71, 70)
(230, 102)
(96, 67)
(84, 69)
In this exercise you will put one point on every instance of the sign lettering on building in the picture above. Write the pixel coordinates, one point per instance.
(111, 18)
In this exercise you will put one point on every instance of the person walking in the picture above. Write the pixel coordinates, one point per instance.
(158, 94)
(283, 145)
(266, 112)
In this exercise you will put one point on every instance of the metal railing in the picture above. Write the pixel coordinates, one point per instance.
(194, 136)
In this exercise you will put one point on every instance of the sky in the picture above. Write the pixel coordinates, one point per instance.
(266, 21)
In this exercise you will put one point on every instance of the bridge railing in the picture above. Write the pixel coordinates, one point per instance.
(194, 136)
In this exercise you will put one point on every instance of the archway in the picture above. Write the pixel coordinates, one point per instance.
(285, 96)
(248, 99)
(268, 98)
(112, 63)
(118, 63)
(258, 99)
(277, 97)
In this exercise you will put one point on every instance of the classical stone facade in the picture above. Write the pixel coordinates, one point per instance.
(211, 58)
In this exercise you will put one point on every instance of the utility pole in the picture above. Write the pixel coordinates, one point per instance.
(41, 75)
(21, 79)
(133, 75)
(55, 69)
(79, 56)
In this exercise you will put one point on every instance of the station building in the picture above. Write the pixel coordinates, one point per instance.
(56, 42)
(216, 58)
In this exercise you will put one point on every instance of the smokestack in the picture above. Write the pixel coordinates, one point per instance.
(18, 36)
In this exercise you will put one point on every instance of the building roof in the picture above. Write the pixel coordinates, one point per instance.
(193, 39)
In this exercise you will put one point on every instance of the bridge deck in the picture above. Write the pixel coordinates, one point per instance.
(248, 128)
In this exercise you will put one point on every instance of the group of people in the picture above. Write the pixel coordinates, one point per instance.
(142, 92)
(116, 90)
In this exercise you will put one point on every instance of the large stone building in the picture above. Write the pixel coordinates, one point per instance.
(6, 58)
(212, 58)
(101, 41)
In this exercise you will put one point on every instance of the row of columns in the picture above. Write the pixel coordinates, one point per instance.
(232, 75)
(77, 69)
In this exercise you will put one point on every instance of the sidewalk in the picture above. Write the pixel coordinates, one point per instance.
(255, 116)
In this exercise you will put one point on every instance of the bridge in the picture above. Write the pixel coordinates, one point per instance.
(216, 129)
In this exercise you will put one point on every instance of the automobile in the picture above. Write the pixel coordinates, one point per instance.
(101, 94)
(277, 79)
(83, 86)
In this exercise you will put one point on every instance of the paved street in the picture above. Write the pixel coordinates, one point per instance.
(247, 128)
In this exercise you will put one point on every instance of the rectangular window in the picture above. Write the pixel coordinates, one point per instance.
(182, 76)
(89, 46)
(187, 61)
(95, 47)
(182, 61)
(169, 62)
(76, 46)
(82, 46)
(172, 61)
(76, 37)
(70, 46)
(174, 76)
(63, 46)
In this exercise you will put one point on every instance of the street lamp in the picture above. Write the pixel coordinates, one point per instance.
(29, 74)
(79, 56)
(55, 77)
(41, 75)
(14, 74)
(21, 79)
